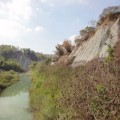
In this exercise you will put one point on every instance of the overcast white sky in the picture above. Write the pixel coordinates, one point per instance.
(41, 24)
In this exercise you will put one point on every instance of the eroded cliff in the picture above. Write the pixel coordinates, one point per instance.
(97, 46)
(93, 42)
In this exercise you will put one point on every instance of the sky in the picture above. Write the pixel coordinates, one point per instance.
(42, 24)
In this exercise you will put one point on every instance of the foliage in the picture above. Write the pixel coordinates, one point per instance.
(64, 49)
(109, 14)
(41, 56)
(44, 91)
(31, 54)
(88, 29)
(110, 54)
(7, 51)
(2, 58)
(85, 34)
(88, 92)
(10, 65)
(7, 78)
(11, 52)
(48, 61)
(59, 50)
(110, 10)
(68, 46)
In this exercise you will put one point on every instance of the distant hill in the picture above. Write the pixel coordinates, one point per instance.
(23, 57)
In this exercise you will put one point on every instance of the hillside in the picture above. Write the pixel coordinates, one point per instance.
(23, 57)
(83, 83)
(94, 42)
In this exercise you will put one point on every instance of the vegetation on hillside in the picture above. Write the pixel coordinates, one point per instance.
(90, 92)
(85, 34)
(109, 14)
(8, 73)
(10, 65)
(9, 69)
(11, 52)
(62, 50)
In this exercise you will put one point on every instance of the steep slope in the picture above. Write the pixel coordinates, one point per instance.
(97, 46)
(93, 42)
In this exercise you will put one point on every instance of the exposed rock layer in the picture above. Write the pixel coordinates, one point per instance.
(97, 46)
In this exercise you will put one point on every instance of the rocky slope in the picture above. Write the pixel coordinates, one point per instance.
(97, 46)
(93, 42)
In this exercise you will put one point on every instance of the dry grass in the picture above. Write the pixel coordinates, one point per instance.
(63, 50)
(90, 92)
(111, 17)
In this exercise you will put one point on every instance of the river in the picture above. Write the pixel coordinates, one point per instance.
(14, 101)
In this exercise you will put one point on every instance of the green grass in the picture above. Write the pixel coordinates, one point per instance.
(44, 92)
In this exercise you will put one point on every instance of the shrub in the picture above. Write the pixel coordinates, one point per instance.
(110, 54)
(68, 46)
(109, 14)
(10, 65)
(64, 49)
(85, 34)
(7, 78)
(88, 29)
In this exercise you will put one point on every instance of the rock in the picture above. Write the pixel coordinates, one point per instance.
(23, 60)
(97, 46)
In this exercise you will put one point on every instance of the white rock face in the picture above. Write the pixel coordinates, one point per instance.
(97, 46)
(23, 61)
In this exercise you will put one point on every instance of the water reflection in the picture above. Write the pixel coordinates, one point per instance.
(14, 101)
(21, 86)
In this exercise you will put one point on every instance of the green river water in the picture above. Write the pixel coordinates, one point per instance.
(14, 101)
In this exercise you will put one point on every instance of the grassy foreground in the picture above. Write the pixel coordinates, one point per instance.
(91, 92)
